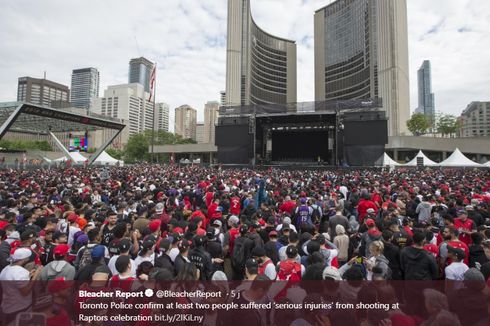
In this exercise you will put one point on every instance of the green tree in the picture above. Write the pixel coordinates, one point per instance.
(117, 154)
(418, 124)
(136, 150)
(447, 124)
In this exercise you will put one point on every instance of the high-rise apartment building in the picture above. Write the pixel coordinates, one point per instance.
(361, 52)
(260, 67)
(211, 113)
(426, 97)
(140, 71)
(185, 122)
(200, 133)
(84, 87)
(222, 98)
(161, 116)
(128, 102)
(42, 92)
(475, 120)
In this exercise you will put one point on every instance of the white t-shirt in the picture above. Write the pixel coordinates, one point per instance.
(72, 230)
(270, 271)
(174, 252)
(112, 266)
(13, 300)
(141, 259)
(455, 271)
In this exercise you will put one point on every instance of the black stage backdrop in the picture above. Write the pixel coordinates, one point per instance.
(364, 141)
(299, 145)
(234, 144)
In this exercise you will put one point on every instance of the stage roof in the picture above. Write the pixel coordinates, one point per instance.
(27, 117)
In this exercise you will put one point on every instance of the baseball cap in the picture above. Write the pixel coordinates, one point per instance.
(61, 249)
(291, 251)
(256, 225)
(154, 225)
(303, 200)
(273, 233)
(285, 227)
(72, 217)
(462, 212)
(258, 252)
(468, 208)
(457, 251)
(20, 253)
(217, 222)
(164, 245)
(124, 245)
(243, 229)
(251, 263)
(159, 208)
(59, 284)
(198, 241)
(370, 222)
(233, 219)
(148, 244)
(98, 252)
(331, 273)
(28, 234)
(183, 245)
(370, 211)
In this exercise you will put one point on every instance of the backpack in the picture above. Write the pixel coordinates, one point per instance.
(238, 257)
(86, 257)
(315, 216)
(289, 271)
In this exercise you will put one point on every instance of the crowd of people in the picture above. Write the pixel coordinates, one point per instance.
(127, 225)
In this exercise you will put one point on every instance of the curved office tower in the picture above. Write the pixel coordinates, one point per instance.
(361, 52)
(260, 67)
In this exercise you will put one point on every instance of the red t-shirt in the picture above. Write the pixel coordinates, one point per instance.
(235, 206)
(460, 245)
(466, 225)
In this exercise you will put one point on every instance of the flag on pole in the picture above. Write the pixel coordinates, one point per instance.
(152, 81)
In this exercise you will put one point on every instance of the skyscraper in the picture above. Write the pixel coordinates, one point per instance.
(185, 121)
(84, 87)
(260, 67)
(361, 51)
(42, 92)
(139, 72)
(211, 112)
(161, 116)
(128, 102)
(426, 97)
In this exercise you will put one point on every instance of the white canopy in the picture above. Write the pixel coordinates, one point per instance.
(75, 157)
(105, 158)
(487, 164)
(427, 161)
(386, 160)
(458, 159)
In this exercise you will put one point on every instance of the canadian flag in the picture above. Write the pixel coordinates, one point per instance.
(152, 81)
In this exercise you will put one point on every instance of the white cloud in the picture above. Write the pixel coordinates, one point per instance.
(188, 40)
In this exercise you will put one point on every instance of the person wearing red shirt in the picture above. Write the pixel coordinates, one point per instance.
(288, 206)
(465, 226)
(209, 197)
(364, 204)
(450, 235)
(235, 207)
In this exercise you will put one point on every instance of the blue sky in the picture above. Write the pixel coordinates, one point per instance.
(187, 38)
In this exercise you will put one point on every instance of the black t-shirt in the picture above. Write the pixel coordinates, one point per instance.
(86, 273)
(107, 235)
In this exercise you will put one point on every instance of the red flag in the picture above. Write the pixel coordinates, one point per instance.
(152, 81)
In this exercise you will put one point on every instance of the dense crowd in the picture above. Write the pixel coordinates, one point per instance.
(127, 225)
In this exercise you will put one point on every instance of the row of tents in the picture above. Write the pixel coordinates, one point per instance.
(77, 158)
(456, 159)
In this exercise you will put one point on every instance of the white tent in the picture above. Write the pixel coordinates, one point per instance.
(75, 157)
(458, 159)
(427, 161)
(386, 160)
(487, 164)
(105, 158)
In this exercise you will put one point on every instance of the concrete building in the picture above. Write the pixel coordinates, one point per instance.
(200, 133)
(128, 102)
(161, 116)
(185, 122)
(361, 51)
(140, 71)
(211, 113)
(222, 98)
(42, 92)
(260, 67)
(475, 120)
(84, 87)
(426, 97)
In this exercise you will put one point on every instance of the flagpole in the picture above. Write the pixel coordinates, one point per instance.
(154, 112)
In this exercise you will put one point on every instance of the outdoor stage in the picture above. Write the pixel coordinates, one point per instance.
(334, 133)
